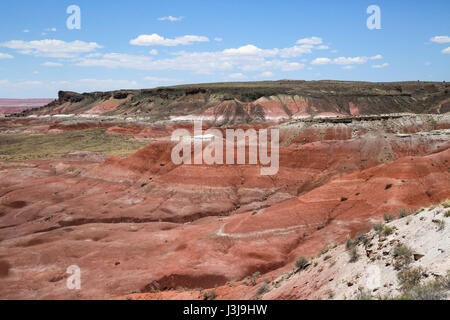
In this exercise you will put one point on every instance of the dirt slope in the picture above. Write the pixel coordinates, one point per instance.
(143, 224)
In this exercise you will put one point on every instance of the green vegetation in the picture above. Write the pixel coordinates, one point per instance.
(383, 229)
(413, 288)
(264, 288)
(301, 263)
(410, 278)
(403, 213)
(378, 227)
(388, 217)
(353, 255)
(210, 295)
(387, 230)
(28, 147)
(403, 256)
(326, 249)
(446, 203)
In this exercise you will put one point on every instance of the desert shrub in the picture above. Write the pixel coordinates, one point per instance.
(403, 213)
(388, 217)
(209, 295)
(378, 227)
(428, 291)
(349, 244)
(387, 230)
(353, 255)
(363, 239)
(413, 289)
(301, 263)
(330, 294)
(363, 295)
(409, 278)
(326, 249)
(264, 288)
(446, 281)
(403, 255)
(446, 203)
(447, 214)
(440, 224)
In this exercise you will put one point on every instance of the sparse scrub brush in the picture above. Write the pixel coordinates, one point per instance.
(264, 288)
(403, 255)
(209, 295)
(301, 263)
(410, 278)
(387, 230)
(446, 203)
(388, 217)
(403, 213)
(353, 254)
(378, 227)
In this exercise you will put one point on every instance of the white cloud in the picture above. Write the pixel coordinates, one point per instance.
(348, 67)
(247, 58)
(247, 50)
(170, 18)
(237, 76)
(428, 63)
(322, 47)
(267, 74)
(440, 39)
(52, 64)
(380, 66)
(157, 40)
(345, 60)
(89, 85)
(446, 50)
(311, 41)
(50, 29)
(51, 48)
(218, 39)
(321, 61)
(156, 80)
(350, 60)
(251, 50)
(5, 56)
(26, 31)
(153, 52)
(377, 57)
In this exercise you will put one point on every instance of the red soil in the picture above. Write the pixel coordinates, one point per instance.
(144, 224)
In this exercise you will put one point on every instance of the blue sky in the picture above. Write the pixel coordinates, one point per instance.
(143, 44)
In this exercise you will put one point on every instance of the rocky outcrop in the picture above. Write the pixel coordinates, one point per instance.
(226, 103)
